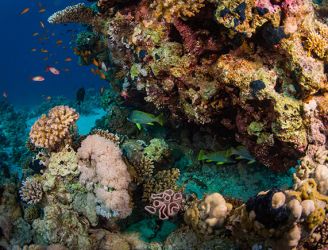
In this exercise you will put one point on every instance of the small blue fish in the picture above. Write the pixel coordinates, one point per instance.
(143, 118)
(242, 153)
(219, 157)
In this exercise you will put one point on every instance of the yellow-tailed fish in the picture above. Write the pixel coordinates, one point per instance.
(219, 157)
(241, 153)
(142, 118)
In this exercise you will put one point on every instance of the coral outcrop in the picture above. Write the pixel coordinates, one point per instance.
(258, 62)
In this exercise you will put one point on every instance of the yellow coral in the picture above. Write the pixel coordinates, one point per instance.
(316, 218)
(317, 43)
(53, 129)
(64, 163)
(170, 9)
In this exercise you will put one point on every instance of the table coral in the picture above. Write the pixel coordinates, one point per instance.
(53, 130)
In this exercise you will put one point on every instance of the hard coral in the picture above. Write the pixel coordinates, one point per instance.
(167, 204)
(209, 214)
(104, 172)
(78, 13)
(53, 131)
(31, 191)
(171, 9)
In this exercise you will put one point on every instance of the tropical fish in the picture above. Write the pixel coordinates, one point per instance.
(219, 157)
(35, 34)
(4, 94)
(242, 153)
(124, 94)
(101, 91)
(59, 42)
(38, 78)
(42, 10)
(42, 25)
(143, 118)
(80, 93)
(44, 51)
(68, 59)
(104, 67)
(24, 11)
(95, 62)
(53, 70)
(34, 49)
(102, 75)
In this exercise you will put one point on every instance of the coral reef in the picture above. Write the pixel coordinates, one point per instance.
(258, 64)
(54, 130)
(242, 79)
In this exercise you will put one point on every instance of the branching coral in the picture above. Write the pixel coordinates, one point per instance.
(31, 191)
(167, 204)
(54, 130)
(104, 172)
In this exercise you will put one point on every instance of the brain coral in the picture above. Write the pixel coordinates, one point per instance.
(52, 130)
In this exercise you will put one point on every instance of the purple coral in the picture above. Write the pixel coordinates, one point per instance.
(166, 204)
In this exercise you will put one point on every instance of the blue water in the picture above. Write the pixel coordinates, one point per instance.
(19, 64)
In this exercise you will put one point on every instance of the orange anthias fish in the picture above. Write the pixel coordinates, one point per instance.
(24, 11)
(44, 51)
(53, 70)
(68, 59)
(42, 10)
(38, 78)
(95, 62)
(33, 50)
(59, 42)
(102, 75)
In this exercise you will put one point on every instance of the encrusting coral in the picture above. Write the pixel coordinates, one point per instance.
(53, 131)
(104, 172)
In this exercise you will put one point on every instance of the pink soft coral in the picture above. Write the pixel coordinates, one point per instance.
(105, 173)
(166, 204)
